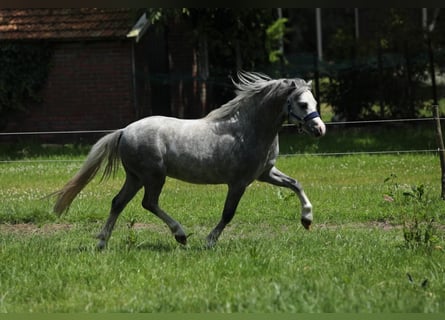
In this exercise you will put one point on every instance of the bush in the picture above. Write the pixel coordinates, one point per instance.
(418, 218)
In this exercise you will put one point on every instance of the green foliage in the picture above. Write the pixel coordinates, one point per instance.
(420, 234)
(382, 74)
(274, 37)
(132, 235)
(387, 68)
(419, 229)
(24, 69)
(156, 15)
(234, 36)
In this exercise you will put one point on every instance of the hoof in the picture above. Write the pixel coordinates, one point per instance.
(306, 223)
(210, 245)
(101, 245)
(182, 239)
(210, 242)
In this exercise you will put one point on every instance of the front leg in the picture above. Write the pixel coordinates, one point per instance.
(277, 178)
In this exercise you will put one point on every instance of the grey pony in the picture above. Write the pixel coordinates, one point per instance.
(234, 145)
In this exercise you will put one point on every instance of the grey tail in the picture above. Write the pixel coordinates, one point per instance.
(104, 149)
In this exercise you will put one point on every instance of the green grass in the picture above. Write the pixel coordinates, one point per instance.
(355, 259)
(339, 139)
(341, 270)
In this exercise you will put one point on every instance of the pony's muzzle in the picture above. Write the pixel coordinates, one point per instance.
(315, 127)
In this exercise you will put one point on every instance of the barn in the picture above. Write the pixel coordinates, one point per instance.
(108, 68)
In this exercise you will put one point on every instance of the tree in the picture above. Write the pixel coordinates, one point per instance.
(226, 40)
(385, 67)
(236, 36)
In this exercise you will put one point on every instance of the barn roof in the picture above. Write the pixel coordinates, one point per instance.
(65, 23)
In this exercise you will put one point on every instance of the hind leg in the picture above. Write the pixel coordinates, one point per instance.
(128, 191)
(151, 202)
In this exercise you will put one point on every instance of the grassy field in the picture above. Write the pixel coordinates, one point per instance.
(377, 244)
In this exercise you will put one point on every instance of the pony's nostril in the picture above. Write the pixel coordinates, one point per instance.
(318, 131)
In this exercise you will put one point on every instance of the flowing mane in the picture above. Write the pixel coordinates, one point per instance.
(250, 84)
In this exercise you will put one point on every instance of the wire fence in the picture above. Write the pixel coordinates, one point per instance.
(328, 124)
(365, 122)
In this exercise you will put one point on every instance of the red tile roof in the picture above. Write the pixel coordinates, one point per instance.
(65, 23)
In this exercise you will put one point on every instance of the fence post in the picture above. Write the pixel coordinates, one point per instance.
(441, 147)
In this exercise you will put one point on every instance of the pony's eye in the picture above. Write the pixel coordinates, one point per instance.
(303, 105)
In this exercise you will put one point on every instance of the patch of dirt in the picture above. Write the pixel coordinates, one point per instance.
(360, 225)
(30, 228)
(386, 226)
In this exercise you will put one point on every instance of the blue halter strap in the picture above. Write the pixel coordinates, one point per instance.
(308, 117)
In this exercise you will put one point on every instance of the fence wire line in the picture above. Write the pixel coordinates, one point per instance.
(374, 121)
(29, 133)
(324, 154)
(281, 155)
(285, 125)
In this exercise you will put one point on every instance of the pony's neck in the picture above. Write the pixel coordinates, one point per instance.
(270, 113)
(264, 118)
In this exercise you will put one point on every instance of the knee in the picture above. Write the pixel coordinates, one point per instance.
(295, 183)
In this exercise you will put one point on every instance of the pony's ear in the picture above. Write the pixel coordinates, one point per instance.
(309, 83)
(291, 83)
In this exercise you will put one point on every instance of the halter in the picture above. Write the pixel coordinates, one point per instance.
(308, 117)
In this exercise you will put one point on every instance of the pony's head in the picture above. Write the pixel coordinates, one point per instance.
(301, 108)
